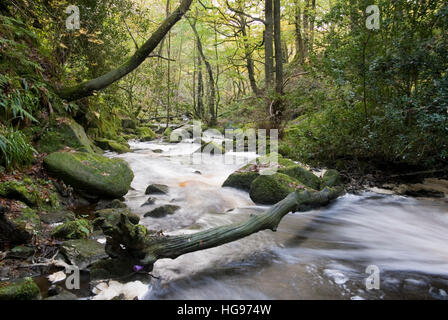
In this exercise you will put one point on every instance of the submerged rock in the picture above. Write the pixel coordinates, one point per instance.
(157, 189)
(162, 211)
(270, 189)
(90, 174)
(83, 252)
(24, 289)
(149, 201)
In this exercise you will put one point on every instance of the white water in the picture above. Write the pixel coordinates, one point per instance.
(320, 254)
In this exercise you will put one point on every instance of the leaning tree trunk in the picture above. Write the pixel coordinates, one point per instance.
(88, 88)
(131, 241)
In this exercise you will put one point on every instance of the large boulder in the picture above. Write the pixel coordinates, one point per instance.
(90, 174)
(23, 289)
(270, 189)
(66, 133)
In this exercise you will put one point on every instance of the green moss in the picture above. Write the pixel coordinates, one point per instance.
(145, 134)
(91, 174)
(118, 147)
(77, 229)
(28, 220)
(303, 175)
(20, 190)
(65, 133)
(270, 189)
(24, 289)
(241, 180)
(211, 148)
(331, 178)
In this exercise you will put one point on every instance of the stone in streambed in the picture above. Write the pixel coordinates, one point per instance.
(162, 211)
(57, 216)
(20, 252)
(149, 201)
(90, 174)
(83, 252)
(270, 189)
(241, 180)
(157, 189)
(112, 145)
(110, 204)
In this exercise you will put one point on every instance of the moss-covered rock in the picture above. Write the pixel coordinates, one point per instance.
(270, 189)
(57, 216)
(28, 220)
(20, 252)
(20, 190)
(303, 175)
(24, 289)
(110, 204)
(145, 134)
(112, 214)
(119, 147)
(10, 232)
(91, 174)
(76, 229)
(162, 211)
(66, 132)
(83, 252)
(331, 178)
(241, 180)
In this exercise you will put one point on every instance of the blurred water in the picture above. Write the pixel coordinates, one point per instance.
(321, 254)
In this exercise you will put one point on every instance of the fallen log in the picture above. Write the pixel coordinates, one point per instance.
(128, 240)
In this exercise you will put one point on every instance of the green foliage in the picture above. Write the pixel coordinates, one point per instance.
(15, 149)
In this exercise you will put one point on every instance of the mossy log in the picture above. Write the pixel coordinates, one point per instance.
(132, 241)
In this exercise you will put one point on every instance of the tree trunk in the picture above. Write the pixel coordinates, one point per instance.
(88, 88)
(211, 81)
(277, 105)
(149, 246)
(268, 53)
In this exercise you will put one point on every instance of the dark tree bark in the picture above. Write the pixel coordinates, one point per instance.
(88, 88)
(211, 81)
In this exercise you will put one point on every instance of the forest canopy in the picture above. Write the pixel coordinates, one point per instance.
(337, 90)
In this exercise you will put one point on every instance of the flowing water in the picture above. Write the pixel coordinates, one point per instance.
(320, 254)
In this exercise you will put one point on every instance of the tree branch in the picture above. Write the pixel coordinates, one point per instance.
(88, 88)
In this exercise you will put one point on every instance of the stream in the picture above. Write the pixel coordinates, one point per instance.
(320, 254)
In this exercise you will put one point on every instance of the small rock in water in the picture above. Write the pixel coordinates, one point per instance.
(162, 211)
(151, 200)
(197, 172)
(156, 189)
(157, 150)
(113, 289)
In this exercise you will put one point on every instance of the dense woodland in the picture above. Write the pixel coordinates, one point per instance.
(367, 102)
(336, 90)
